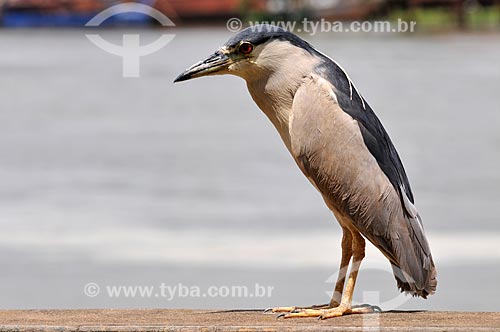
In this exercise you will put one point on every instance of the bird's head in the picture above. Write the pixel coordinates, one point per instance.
(254, 51)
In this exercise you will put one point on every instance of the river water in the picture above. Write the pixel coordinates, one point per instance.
(139, 182)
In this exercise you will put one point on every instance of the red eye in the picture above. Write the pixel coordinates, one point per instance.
(246, 48)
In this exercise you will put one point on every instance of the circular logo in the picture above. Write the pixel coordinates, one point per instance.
(234, 24)
(91, 289)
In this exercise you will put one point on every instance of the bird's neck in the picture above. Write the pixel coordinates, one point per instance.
(275, 102)
(277, 71)
(274, 95)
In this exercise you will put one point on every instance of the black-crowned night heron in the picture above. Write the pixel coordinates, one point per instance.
(341, 147)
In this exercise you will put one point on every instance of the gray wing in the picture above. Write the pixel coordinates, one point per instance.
(374, 134)
(329, 147)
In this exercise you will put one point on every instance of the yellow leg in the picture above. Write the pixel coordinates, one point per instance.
(339, 285)
(345, 306)
(344, 265)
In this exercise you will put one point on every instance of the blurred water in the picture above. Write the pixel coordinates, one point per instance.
(138, 181)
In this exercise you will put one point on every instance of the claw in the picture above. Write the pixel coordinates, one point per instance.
(268, 310)
(374, 308)
(281, 315)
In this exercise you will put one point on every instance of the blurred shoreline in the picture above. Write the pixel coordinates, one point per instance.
(429, 15)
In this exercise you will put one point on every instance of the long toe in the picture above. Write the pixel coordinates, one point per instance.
(281, 309)
(344, 310)
(365, 309)
(341, 310)
(305, 313)
(297, 309)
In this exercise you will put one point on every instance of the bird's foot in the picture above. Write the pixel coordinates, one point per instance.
(323, 313)
(296, 309)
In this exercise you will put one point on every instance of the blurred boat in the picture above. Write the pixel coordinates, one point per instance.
(36, 13)
(54, 13)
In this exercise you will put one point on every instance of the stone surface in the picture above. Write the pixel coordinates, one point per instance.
(236, 320)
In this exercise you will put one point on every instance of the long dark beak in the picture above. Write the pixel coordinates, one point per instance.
(210, 66)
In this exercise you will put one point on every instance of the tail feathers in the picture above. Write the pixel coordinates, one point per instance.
(414, 267)
(425, 285)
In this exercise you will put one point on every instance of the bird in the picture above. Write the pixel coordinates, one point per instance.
(341, 147)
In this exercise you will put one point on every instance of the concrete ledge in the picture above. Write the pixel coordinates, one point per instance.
(149, 320)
